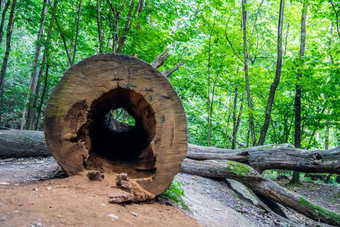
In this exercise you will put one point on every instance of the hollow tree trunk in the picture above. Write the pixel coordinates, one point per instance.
(260, 185)
(283, 156)
(76, 133)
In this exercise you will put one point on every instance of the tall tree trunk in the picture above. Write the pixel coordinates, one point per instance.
(245, 53)
(336, 11)
(233, 145)
(44, 61)
(209, 85)
(297, 139)
(277, 77)
(8, 49)
(34, 78)
(100, 34)
(42, 98)
(236, 122)
(3, 17)
(77, 33)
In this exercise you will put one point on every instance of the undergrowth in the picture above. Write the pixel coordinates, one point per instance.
(175, 193)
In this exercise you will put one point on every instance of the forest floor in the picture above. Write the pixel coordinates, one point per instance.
(33, 193)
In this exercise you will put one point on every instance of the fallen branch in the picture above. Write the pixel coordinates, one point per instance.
(281, 156)
(260, 185)
(25, 143)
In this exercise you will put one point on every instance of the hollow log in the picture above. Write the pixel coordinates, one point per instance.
(260, 185)
(80, 138)
(274, 156)
(14, 143)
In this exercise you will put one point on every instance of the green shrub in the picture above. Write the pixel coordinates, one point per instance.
(175, 193)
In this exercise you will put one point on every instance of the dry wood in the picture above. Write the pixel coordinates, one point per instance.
(260, 185)
(150, 152)
(281, 156)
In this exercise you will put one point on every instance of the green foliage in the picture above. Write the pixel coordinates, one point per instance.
(174, 193)
(195, 31)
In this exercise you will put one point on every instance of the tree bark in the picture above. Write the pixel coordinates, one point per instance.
(8, 49)
(245, 62)
(297, 106)
(34, 78)
(3, 19)
(236, 122)
(260, 185)
(336, 16)
(277, 77)
(77, 33)
(100, 34)
(75, 117)
(260, 158)
(266, 157)
(22, 143)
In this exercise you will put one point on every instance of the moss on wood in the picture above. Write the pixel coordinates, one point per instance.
(321, 211)
(238, 168)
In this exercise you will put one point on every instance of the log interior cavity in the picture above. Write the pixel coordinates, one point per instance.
(117, 141)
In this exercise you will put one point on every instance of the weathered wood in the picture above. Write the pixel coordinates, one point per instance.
(260, 185)
(22, 143)
(281, 156)
(150, 152)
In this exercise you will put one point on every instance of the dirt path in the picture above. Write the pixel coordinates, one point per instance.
(72, 201)
(30, 197)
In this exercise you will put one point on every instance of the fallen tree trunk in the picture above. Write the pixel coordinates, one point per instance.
(82, 137)
(24, 143)
(17, 141)
(281, 156)
(260, 185)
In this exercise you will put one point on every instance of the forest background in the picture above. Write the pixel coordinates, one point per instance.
(250, 72)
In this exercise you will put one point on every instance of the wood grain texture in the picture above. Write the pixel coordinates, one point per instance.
(103, 82)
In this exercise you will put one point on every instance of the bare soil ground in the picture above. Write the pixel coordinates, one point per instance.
(33, 195)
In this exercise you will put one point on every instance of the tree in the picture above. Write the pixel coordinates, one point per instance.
(297, 105)
(277, 77)
(8, 49)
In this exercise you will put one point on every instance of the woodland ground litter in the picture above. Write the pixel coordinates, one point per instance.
(33, 195)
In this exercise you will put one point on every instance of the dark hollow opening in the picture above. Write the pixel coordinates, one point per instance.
(117, 140)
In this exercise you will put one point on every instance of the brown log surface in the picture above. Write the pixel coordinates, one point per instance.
(150, 152)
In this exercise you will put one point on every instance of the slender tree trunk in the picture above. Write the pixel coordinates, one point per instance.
(277, 77)
(42, 98)
(8, 49)
(77, 33)
(34, 79)
(209, 84)
(3, 17)
(44, 60)
(100, 34)
(233, 145)
(245, 53)
(297, 141)
(336, 11)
